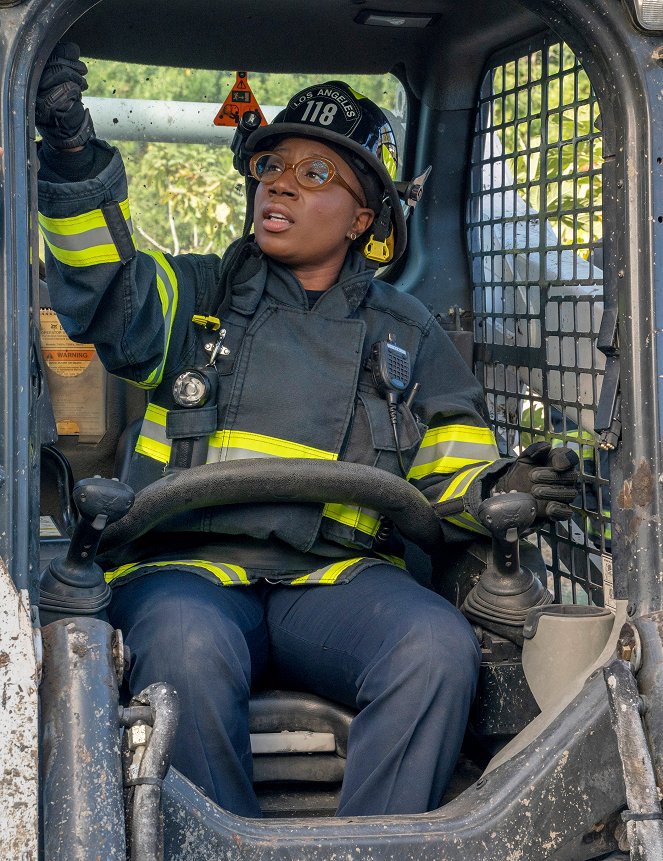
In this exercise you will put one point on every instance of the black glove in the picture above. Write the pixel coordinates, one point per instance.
(549, 474)
(60, 116)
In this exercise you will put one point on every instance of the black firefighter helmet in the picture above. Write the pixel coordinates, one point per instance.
(343, 119)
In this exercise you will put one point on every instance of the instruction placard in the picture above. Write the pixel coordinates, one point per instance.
(76, 381)
(608, 582)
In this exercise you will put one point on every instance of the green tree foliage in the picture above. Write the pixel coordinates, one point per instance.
(546, 117)
(184, 197)
(188, 197)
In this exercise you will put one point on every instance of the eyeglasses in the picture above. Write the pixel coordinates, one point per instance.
(313, 172)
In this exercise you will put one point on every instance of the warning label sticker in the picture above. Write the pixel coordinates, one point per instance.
(608, 582)
(76, 381)
(61, 354)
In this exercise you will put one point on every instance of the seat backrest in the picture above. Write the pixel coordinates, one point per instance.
(125, 448)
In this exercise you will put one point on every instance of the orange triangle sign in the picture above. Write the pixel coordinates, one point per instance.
(238, 101)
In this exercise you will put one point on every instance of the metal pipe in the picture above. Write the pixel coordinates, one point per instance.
(644, 825)
(178, 122)
(170, 122)
(80, 755)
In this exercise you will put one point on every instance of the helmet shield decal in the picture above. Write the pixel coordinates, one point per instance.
(327, 106)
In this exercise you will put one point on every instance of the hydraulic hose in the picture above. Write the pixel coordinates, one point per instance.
(283, 480)
(145, 817)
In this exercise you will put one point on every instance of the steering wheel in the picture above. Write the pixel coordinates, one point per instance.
(285, 480)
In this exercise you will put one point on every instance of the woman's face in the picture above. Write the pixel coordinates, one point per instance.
(304, 228)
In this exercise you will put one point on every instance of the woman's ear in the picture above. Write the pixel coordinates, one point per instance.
(362, 221)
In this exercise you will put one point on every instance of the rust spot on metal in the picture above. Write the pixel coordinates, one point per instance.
(637, 492)
(642, 489)
(624, 498)
(626, 643)
(633, 522)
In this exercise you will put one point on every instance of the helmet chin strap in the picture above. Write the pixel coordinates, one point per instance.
(379, 248)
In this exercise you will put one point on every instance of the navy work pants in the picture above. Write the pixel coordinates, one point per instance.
(382, 644)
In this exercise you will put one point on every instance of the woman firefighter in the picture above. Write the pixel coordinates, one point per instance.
(277, 349)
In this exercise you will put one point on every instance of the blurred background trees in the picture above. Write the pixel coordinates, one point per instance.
(188, 197)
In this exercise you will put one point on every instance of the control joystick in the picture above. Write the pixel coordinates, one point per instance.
(507, 591)
(74, 585)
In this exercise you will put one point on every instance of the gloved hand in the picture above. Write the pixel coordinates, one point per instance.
(549, 474)
(60, 116)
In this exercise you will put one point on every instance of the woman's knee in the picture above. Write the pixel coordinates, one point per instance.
(440, 646)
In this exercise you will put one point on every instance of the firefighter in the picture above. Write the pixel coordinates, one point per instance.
(273, 350)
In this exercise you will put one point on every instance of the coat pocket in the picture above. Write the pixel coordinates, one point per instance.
(371, 442)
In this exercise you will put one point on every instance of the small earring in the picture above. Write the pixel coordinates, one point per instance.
(352, 236)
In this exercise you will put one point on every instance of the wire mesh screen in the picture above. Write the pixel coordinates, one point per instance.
(534, 221)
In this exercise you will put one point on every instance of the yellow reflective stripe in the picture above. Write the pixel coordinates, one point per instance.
(155, 413)
(75, 224)
(458, 485)
(449, 448)
(462, 433)
(83, 240)
(223, 445)
(227, 573)
(465, 521)
(166, 281)
(327, 575)
(238, 445)
(388, 161)
(395, 560)
(364, 519)
(152, 441)
(151, 448)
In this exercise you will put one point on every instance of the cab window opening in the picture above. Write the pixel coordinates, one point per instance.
(534, 230)
(186, 196)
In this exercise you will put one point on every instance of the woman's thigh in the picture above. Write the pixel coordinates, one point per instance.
(178, 619)
(324, 638)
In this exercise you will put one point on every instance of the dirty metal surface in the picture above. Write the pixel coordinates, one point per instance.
(643, 818)
(566, 784)
(80, 762)
(18, 725)
(650, 685)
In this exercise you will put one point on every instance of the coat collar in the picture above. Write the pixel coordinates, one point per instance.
(260, 275)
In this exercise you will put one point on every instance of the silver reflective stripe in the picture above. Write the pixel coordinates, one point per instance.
(152, 441)
(166, 282)
(449, 448)
(81, 241)
(214, 454)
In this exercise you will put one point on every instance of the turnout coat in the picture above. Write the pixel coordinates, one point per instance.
(292, 381)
